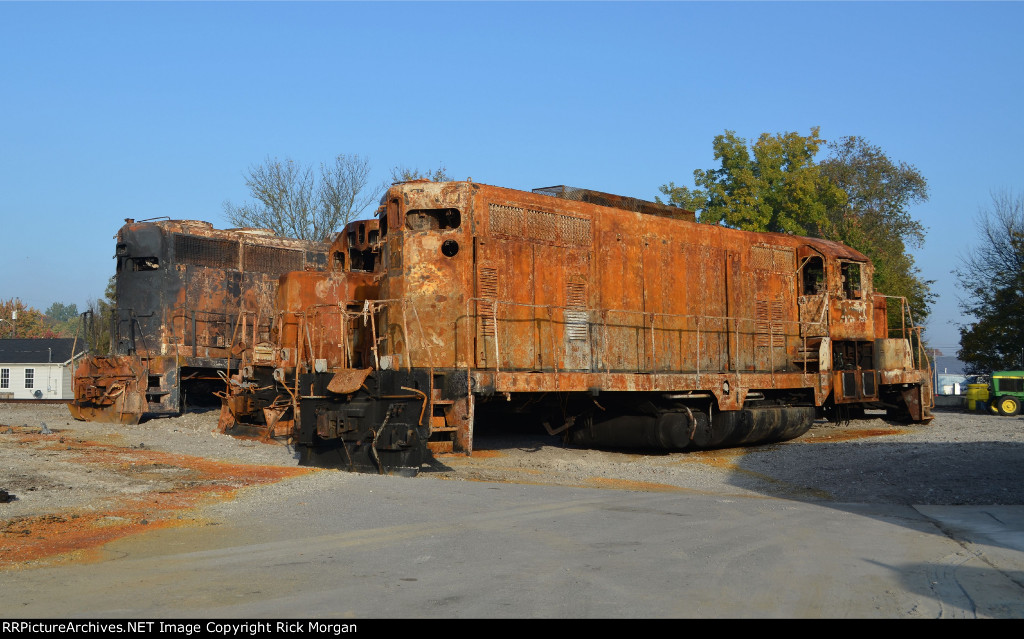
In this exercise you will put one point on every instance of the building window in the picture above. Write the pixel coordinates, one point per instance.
(30, 375)
(5, 378)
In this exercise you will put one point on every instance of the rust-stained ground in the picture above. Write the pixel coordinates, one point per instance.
(85, 484)
(96, 490)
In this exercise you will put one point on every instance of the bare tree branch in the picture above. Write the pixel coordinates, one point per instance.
(294, 201)
(405, 174)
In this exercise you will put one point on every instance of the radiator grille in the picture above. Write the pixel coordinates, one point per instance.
(773, 258)
(542, 226)
(271, 259)
(205, 251)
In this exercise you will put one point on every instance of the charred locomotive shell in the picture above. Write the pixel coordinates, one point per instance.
(188, 298)
(612, 320)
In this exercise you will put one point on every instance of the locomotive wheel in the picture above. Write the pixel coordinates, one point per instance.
(1008, 406)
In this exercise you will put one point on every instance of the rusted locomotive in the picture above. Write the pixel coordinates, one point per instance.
(615, 321)
(187, 297)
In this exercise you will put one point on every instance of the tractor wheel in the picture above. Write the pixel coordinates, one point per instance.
(1008, 405)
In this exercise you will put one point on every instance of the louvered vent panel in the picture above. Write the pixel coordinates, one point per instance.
(768, 328)
(487, 280)
(576, 324)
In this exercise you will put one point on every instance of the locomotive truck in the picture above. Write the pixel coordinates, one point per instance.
(613, 321)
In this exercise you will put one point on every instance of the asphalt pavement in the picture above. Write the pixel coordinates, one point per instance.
(359, 547)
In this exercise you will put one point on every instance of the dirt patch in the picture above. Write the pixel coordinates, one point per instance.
(850, 434)
(91, 491)
(77, 485)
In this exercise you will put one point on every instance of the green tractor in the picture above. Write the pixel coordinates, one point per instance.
(1006, 392)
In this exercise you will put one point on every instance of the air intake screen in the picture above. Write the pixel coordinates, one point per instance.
(271, 259)
(205, 251)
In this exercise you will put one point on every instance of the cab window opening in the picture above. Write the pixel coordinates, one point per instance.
(381, 215)
(851, 280)
(433, 219)
(362, 260)
(145, 263)
(814, 276)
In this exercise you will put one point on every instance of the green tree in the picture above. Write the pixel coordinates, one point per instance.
(103, 311)
(774, 185)
(62, 319)
(991, 276)
(297, 201)
(59, 312)
(21, 321)
(875, 218)
(857, 196)
(93, 326)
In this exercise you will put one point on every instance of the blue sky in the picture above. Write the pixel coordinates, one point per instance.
(116, 110)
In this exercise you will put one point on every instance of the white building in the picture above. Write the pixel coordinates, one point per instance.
(38, 368)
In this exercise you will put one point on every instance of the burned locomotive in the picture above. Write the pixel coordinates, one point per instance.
(188, 296)
(615, 321)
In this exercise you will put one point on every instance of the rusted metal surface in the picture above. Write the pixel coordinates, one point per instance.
(348, 380)
(188, 298)
(109, 390)
(462, 299)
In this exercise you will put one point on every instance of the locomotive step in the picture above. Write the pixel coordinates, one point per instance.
(438, 400)
(441, 447)
(438, 425)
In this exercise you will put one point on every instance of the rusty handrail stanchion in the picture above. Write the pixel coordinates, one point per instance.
(373, 335)
(405, 334)
(654, 344)
(604, 342)
(343, 322)
(698, 350)
(497, 354)
(554, 347)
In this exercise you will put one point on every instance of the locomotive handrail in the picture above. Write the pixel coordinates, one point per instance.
(600, 320)
(905, 314)
(698, 319)
(625, 310)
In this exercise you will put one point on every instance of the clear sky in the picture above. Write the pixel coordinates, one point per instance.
(141, 110)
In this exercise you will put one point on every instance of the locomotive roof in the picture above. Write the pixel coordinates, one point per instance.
(828, 248)
(836, 250)
(202, 228)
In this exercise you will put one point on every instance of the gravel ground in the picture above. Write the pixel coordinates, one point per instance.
(960, 458)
